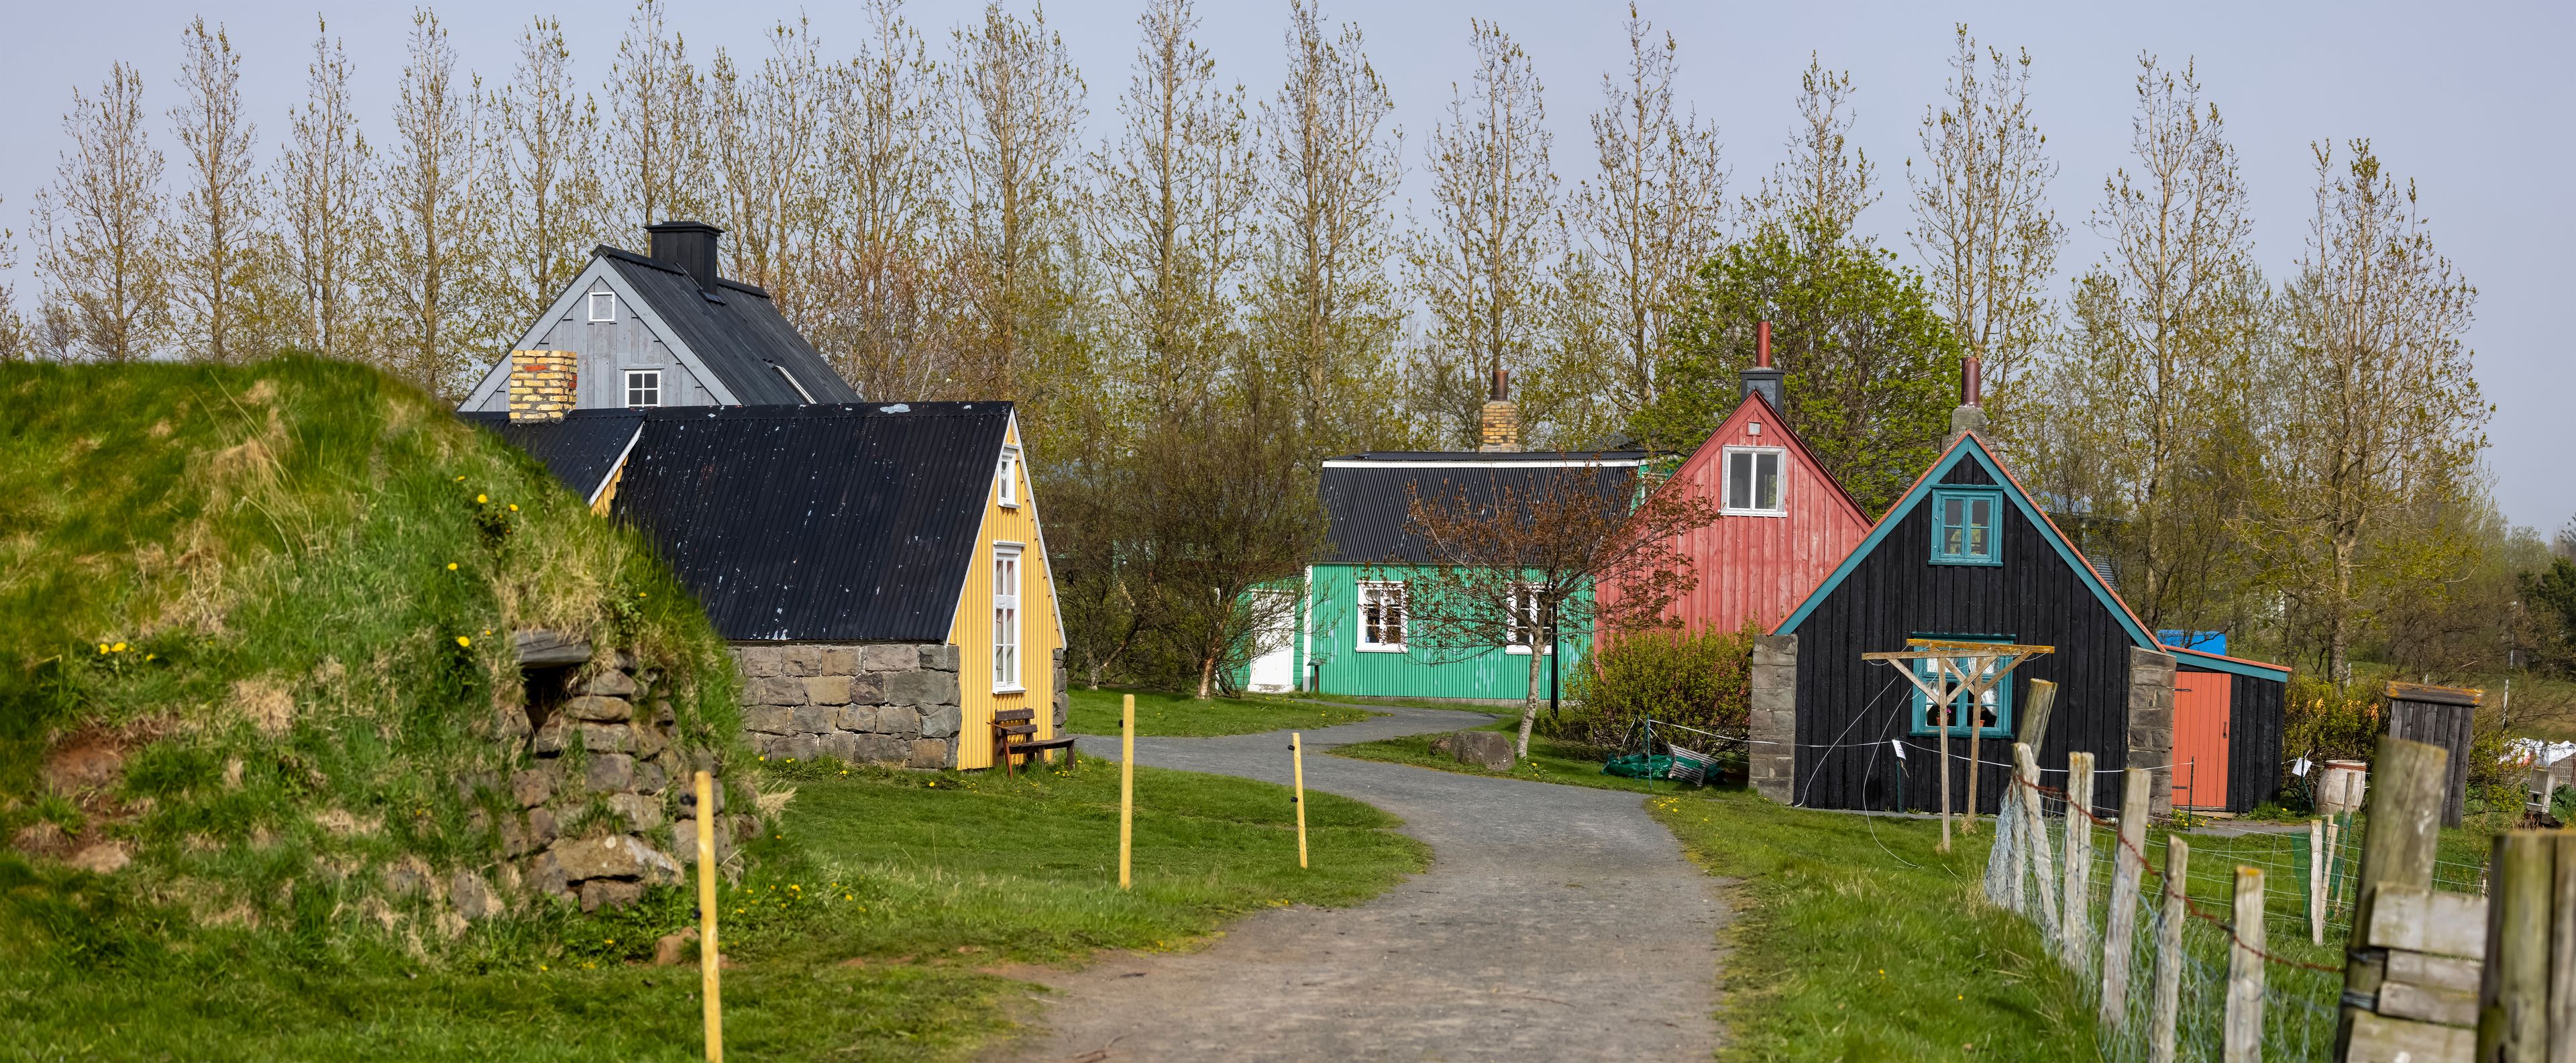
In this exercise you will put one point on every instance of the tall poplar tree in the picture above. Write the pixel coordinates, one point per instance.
(325, 182)
(218, 244)
(432, 259)
(1014, 109)
(659, 168)
(101, 234)
(545, 172)
(882, 318)
(766, 141)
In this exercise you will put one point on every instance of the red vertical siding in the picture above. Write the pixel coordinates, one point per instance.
(1759, 568)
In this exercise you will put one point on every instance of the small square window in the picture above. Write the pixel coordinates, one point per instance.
(1528, 621)
(1753, 481)
(1382, 617)
(1967, 528)
(1009, 475)
(603, 307)
(643, 387)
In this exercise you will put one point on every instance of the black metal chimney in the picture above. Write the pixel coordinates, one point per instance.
(1762, 377)
(690, 245)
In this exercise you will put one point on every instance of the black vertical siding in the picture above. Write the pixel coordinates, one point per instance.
(2447, 726)
(2254, 734)
(1896, 593)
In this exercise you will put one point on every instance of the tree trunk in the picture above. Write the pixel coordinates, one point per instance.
(1529, 704)
(1207, 673)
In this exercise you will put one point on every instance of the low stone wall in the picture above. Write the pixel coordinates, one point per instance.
(2151, 723)
(1771, 759)
(884, 703)
(603, 808)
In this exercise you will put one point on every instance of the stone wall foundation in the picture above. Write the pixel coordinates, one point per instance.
(1772, 691)
(2151, 722)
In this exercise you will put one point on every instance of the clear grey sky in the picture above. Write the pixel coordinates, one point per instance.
(2470, 102)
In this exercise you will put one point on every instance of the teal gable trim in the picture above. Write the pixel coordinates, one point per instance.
(2232, 665)
(1972, 448)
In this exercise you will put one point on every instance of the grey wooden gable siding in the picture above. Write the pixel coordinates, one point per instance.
(609, 348)
(1897, 593)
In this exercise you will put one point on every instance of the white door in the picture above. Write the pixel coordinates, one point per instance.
(1274, 668)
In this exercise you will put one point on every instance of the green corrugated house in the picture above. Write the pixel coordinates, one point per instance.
(1349, 634)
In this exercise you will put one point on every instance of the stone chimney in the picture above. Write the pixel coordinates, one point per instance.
(1498, 429)
(690, 245)
(542, 384)
(1971, 414)
(1762, 377)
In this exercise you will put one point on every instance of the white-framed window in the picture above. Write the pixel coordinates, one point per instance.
(643, 387)
(1009, 475)
(1381, 617)
(1753, 481)
(1528, 626)
(603, 307)
(1006, 618)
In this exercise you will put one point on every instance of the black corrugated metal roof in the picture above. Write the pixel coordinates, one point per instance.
(735, 330)
(1492, 457)
(581, 450)
(1367, 506)
(835, 523)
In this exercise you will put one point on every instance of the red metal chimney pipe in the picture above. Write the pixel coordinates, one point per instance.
(1502, 384)
(1762, 346)
(1972, 381)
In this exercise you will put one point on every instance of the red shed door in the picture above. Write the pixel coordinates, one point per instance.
(2200, 739)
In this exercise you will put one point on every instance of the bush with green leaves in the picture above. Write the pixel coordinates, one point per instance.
(1696, 678)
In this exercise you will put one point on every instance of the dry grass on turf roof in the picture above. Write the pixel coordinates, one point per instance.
(1853, 940)
(1096, 712)
(922, 878)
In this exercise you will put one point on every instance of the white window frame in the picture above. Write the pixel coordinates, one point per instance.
(1009, 492)
(1525, 628)
(1007, 618)
(630, 376)
(1780, 481)
(1380, 588)
(603, 307)
(791, 382)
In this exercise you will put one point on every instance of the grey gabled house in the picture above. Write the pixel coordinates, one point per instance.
(665, 330)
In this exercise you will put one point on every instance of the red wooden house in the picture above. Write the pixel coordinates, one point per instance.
(1783, 522)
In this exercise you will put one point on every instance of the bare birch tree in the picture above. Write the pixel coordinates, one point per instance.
(658, 101)
(545, 170)
(1015, 108)
(766, 142)
(883, 315)
(1816, 194)
(15, 344)
(215, 257)
(2379, 411)
(325, 184)
(100, 242)
(1653, 213)
(1173, 214)
(1982, 223)
(433, 252)
(1323, 309)
(1482, 267)
(2152, 387)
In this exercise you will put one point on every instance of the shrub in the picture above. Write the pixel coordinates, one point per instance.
(1693, 678)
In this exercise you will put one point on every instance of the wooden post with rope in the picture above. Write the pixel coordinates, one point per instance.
(2075, 921)
(2120, 924)
(2168, 991)
(2037, 835)
(1961, 671)
(2244, 1028)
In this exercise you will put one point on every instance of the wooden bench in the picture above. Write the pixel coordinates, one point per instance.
(1015, 732)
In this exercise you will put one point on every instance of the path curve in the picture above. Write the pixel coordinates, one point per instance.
(1555, 922)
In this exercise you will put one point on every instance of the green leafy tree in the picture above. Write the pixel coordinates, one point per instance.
(1869, 363)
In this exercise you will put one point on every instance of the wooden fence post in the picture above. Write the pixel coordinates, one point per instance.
(1297, 761)
(2245, 971)
(2317, 881)
(2029, 767)
(1126, 787)
(2075, 921)
(2562, 951)
(2397, 848)
(710, 957)
(2513, 995)
(2120, 923)
(2160, 1034)
(2334, 860)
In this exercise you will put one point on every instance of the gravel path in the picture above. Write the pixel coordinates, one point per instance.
(1556, 922)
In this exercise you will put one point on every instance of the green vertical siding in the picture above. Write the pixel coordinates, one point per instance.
(1329, 631)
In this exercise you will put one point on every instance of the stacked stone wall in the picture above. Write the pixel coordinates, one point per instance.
(2151, 723)
(1772, 693)
(868, 703)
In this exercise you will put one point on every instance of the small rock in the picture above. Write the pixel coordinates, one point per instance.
(545, 874)
(549, 739)
(647, 741)
(769, 719)
(531, 788)
(615, 856)
(607, 738)
(604, 893)
(939, 721)
(473, 897)
(610, 684)
(927, 753)
(599, 709)
(673, 950)
(828, 690)
(641, 813)
(1491, 750)
(610, 773)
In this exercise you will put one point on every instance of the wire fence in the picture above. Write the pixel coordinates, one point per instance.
(2182, 935)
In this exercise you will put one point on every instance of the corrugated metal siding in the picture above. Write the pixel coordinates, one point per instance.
(1894, 594)
(822, 523)
(738, 338)
(972, 629)
(2254, 736)
(1759, 567)
(1367, 507)
(1415, 673)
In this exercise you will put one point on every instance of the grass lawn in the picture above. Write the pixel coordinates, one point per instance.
(1096, 712)
(1849, 930)
(921, 879)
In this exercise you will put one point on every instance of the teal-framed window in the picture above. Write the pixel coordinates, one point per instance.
(1994, 711)
(1967, 527)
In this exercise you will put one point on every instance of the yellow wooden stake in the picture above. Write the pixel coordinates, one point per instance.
(707, 955)
(1297, 760)
(1126, 789)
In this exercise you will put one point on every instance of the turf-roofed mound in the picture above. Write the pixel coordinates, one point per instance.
(257, 669)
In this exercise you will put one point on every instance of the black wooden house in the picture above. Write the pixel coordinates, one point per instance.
(1967, 555)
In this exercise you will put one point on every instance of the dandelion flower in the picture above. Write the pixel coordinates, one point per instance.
(119, 647)
(514, 507)
(463, 641)
(451, 566)
(481, 499)
(102, 647)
